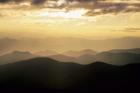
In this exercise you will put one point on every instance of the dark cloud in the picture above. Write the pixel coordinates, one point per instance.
(98, 7)
(38, 1)
(112, 7)
(95, 7)
(17, 1)
(4, 1)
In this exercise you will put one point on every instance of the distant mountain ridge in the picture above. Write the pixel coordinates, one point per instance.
(64, 44)
(63, 58)
(134, 50)
(46, 53)
(80, 53)
(115, 57)
(118, 58)
(15, 56)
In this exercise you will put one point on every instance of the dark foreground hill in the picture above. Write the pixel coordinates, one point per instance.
(50, 75)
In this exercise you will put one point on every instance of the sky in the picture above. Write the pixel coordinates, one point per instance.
(90, 19)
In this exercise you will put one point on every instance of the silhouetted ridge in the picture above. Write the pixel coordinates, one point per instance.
(53, 75)
(16, 56)
(62, 58)
(19, 52)
(46, 53)
(118, 58)
(114, 57)
(79, 53)
(100, 64)
(134, 50)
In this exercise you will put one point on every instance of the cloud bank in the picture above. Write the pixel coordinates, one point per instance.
(95, 7)
(132, 29)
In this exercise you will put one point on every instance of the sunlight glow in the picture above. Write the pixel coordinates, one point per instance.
(77, 13)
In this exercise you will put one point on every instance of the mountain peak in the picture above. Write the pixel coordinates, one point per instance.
(15, 56)
(79, 53)
(21, 52)
(47, 53)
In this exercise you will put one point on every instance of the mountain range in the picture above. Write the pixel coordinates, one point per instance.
(64, 44)
(134, 50)
(46, 53)
(15, 56)
(118, 58)
(49, 75)
(79, 53)
(115, 57)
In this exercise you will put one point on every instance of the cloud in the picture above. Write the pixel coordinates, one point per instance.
(130, 29)
(20, 1)
(5, 1)
(36, 2)
(113, 7)
(95, 7)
